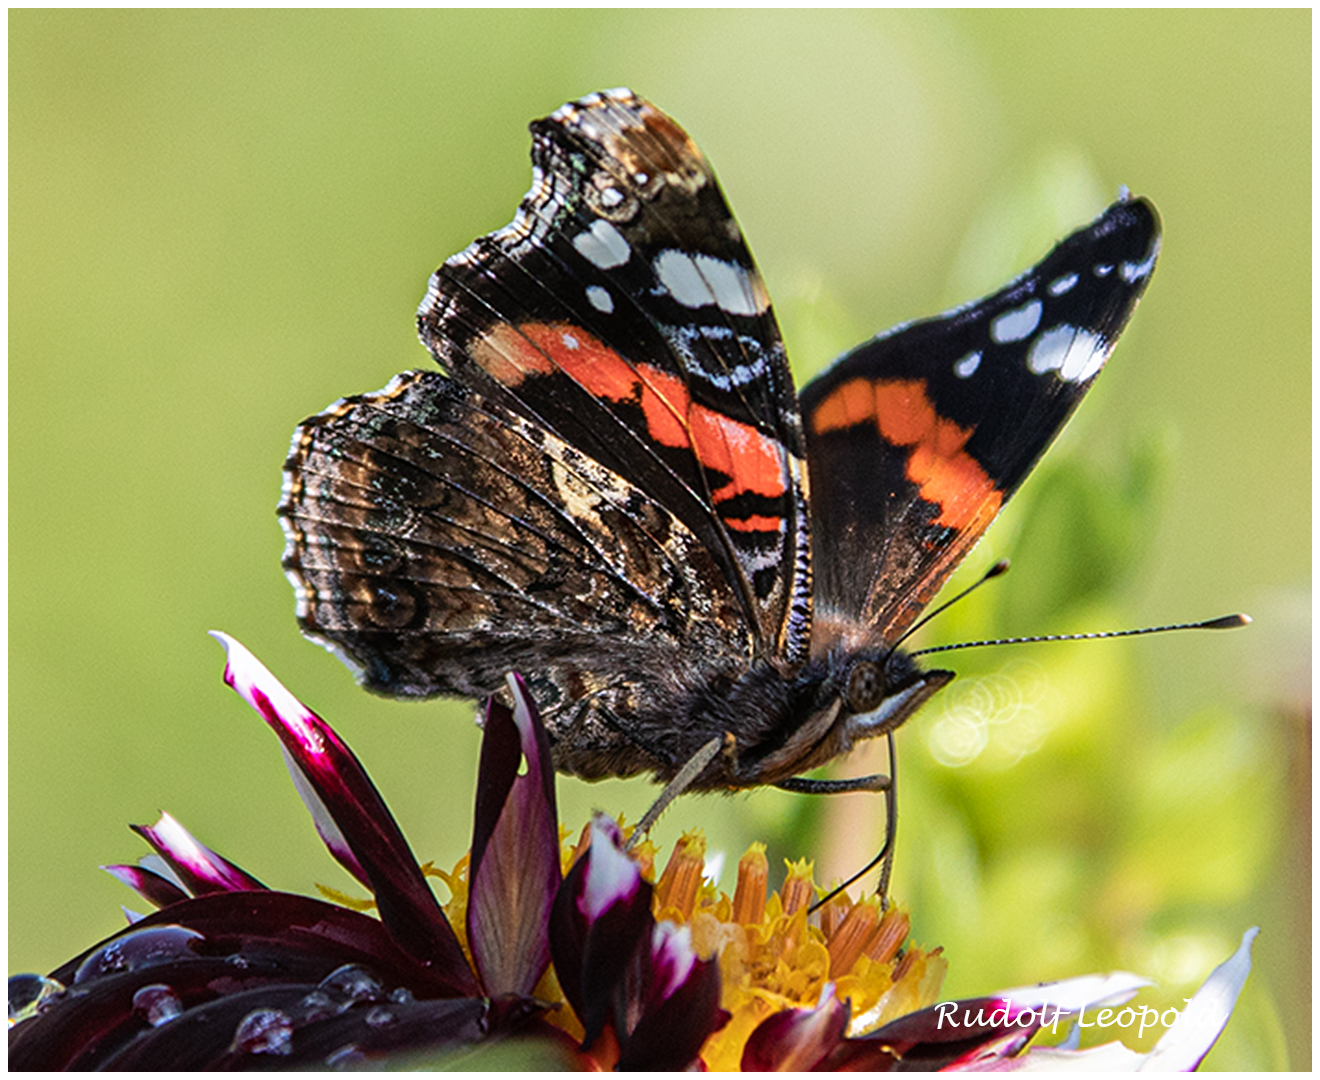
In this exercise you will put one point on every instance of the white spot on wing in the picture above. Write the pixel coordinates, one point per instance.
(570, 342)
(735, 291)
(966, 367)
(678, 274)
(1133, 272)
(603, 245)
(1103, 269)
(1075, 354)
(1016, 324)
(698, 280)
(1061, 285)
(600, 298)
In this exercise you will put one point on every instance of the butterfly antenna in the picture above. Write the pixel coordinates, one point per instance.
(886, 853)
(1001, 567)
(885, 857)
(1224, 622)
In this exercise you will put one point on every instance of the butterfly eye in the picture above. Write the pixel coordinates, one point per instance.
(866, 686)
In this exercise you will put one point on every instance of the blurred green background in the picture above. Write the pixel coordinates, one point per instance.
(221, 222)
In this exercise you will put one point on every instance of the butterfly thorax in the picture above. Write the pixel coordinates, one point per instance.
(775, 724)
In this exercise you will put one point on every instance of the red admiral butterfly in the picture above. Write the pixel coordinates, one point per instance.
(615, 489)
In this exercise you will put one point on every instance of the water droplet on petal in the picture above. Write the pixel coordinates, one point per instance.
(379, 1016)
(401, 995)
(137, 950)
(317, 1005)
(346, 1057)
(265, 1031)
(158, 1004)
(28, 993)
(354, 982)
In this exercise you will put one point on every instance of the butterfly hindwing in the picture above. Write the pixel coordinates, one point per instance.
(438, 541)
(918, 437)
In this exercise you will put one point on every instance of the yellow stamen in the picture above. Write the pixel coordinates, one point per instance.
(678, 885)
(749, 896)
(799, 888)
(905, 964)
(889, 938)
(833, 914)
(852, 936)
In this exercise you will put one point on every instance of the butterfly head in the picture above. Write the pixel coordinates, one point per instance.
(823, 711)
(879, 692)
(870, 693)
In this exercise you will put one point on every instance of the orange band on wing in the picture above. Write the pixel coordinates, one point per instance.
(752, 460)
(756, 523)
(946, 474)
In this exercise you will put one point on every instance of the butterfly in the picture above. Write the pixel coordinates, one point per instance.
(613, 487)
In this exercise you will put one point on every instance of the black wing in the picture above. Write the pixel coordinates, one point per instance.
(917, 438)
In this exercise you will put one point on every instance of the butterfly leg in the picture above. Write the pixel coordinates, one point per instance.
(885, 857)
(694, 767)
(804, 786)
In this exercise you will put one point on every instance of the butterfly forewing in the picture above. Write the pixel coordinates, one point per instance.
(621, 311)
(917, 438)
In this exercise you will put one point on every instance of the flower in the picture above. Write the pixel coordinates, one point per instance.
(549, 956)
(850, 994)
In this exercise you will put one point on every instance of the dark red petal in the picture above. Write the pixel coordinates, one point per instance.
(407, 906)
(669, 1035)
(600, 920)
(206, 950)
(797, 1040)
(200, 869)
(515, 849)
(148, 884)
(288, 924)
(609, 877)
(937, 1037)
(226, 1035)
(672, 961)
(568, 936)
(854, 1055)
